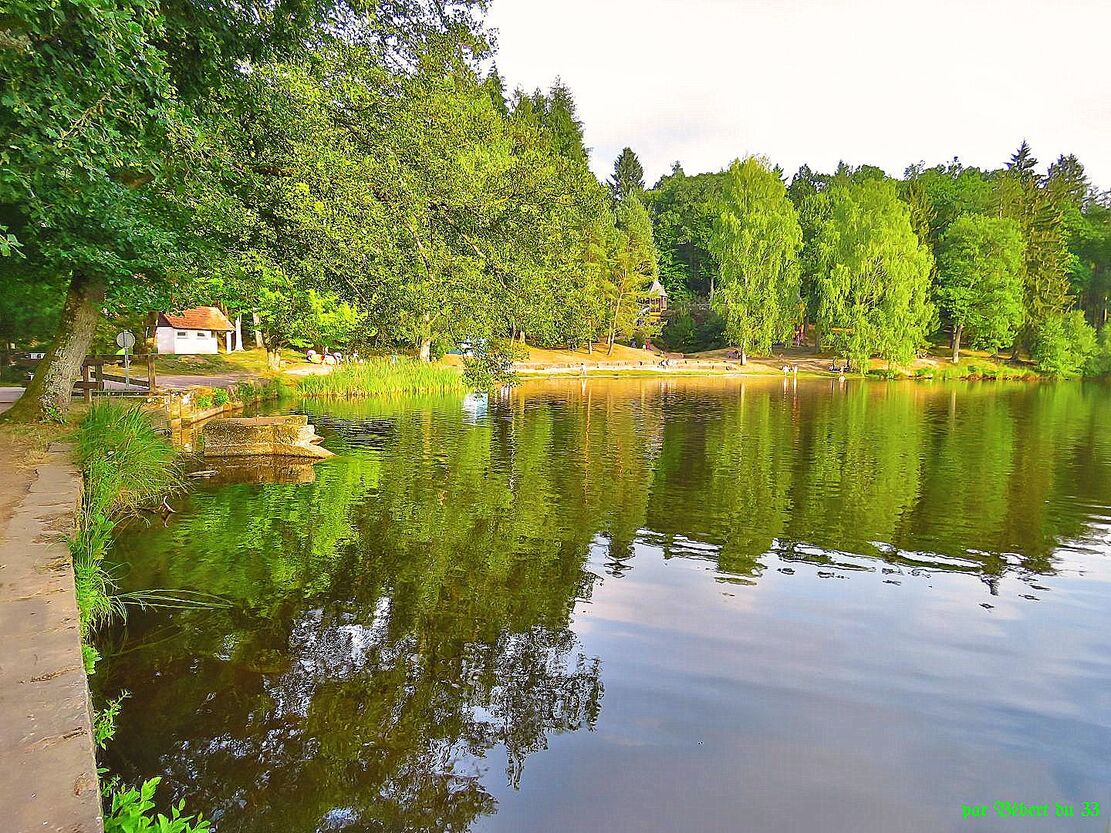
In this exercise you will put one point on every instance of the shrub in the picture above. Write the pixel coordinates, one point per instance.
(1063, 344)
(220, 396)
(203, 401)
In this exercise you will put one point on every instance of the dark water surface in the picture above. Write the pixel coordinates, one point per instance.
(642, 606)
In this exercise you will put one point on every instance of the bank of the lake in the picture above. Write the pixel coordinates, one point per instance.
(648, 604)
(45, 713)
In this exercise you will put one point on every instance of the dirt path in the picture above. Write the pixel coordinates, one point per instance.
(48, 780)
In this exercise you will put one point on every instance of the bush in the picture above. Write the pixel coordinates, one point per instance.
(220, 397)
(1063, 344)
(203, 401)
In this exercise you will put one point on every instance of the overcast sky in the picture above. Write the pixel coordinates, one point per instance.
(886, 82)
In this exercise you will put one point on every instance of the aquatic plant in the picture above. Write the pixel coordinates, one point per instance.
(383, 377)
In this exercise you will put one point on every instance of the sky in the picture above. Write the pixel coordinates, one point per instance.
(882, 82)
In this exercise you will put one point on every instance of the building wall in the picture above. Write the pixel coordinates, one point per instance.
(185, 342)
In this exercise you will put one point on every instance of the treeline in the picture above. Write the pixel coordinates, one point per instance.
(341, 174)
(1006, 260)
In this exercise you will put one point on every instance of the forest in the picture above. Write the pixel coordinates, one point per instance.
(359, 173)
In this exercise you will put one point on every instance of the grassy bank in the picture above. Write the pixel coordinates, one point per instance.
(383, 377)
(128, 467)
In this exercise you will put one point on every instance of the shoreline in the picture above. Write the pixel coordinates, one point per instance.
(46, 710)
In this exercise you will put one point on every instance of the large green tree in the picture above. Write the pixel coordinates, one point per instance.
(980, 273)
(873, 287)
(756, 240)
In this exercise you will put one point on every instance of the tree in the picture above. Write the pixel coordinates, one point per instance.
(756, 240)
(874, 281)
(495, 87)
(1063, 344)
(1022, 197)
(682, 209)
(806, 192)
(980, 269)
(628, 176)
(1022, 163)
(563, 123)
(632, 269)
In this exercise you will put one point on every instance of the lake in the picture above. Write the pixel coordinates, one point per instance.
(640, 605)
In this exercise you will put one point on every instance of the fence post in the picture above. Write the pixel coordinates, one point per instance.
(86, 385)
(152, 381)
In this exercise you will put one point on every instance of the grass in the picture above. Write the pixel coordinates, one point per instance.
(383, 377)
(127, 466)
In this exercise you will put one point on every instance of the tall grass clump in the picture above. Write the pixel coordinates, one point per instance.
(127, 466)
(383, 377)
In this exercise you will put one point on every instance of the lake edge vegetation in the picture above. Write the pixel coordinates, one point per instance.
(127, 467)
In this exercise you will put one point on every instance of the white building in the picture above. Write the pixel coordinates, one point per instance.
(194, 331)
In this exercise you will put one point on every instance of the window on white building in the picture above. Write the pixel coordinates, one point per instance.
(202, 334)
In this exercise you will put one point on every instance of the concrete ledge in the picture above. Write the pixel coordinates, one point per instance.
(49, 780)
(279, 436)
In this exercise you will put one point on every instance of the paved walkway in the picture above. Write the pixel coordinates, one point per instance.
(47, 768)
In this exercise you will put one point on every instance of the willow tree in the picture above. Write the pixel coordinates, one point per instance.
(874, 282)
(756, 240)
(980, 275)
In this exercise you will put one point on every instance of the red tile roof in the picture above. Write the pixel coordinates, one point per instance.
(198, 318)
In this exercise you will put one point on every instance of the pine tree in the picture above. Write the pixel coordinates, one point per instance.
(495, 86)
(628, 176)
(1023, 162)
(563, 123)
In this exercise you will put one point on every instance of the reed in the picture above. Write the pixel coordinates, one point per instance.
(383, 377)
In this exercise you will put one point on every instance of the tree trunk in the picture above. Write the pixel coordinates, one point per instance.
(274, 359)
(958, 330)
(425, 349)
(258, 330)
(238, 333)
(49, 393)
(744, 357)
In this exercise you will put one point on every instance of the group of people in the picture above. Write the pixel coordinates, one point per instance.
(329, 357)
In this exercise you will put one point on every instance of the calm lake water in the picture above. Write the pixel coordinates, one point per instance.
(641, 606)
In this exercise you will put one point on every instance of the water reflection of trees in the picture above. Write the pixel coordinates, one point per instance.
(408, 612)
